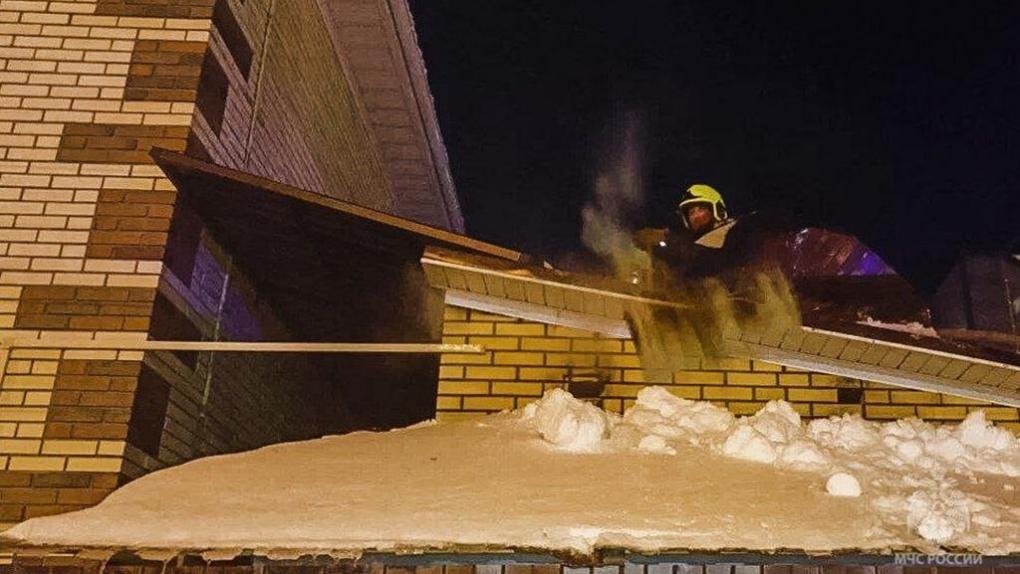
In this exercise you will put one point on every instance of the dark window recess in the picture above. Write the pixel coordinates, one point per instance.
(183, 239)
(213, 87)
(170, 324)
(148, 412)
(233, 36)
(849, 395)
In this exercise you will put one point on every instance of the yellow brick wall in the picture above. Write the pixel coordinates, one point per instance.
(524, 359)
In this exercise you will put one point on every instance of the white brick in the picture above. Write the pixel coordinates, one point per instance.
(45, 264)
(69, 116)
(53, 168)
(132, 281)
(152, 107)
(78, 181)
(54, 236)
(80, 209)
(53, 79)
(110, 266)
(119, 33)
(21, 207)
(25, 278)
(65, 31)
(92, 279)
(92, 20)
(137, 183)
(118, 118)
(72, 251)
(41, 221)
(34, 250)
(154, 267)
(15, 263)
(168, 119)
(105, 169)
(107, 81)
(172, 35)
(61, 55)
(33, 154)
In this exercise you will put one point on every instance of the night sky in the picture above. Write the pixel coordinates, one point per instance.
(898, 122)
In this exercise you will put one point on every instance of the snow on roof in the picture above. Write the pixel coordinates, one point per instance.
(565, 476)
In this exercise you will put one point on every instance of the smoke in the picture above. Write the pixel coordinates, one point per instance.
(702, 313)
(618, 196)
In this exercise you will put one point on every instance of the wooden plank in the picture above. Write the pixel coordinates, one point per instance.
(934, 365)
(515, 289)
(456, 279)
(435, 276)
(594, 304)
(954, 369)
(533, 292)
(853, 351)
(476, 283)
(793, 340)
(834, 347)
(1012, 382)
(554, 297)
(772, 337)
(615, 309)
(996, 377)
(813, 343)
(914, 361)
(574, 301)
(893, 358)
(975, 373)
(873, 355)
(495, 285)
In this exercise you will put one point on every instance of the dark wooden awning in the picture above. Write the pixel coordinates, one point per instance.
(306, 251)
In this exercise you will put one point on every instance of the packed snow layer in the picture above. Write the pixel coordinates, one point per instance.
(563, 475)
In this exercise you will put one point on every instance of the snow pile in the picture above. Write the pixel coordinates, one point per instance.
(562, 475)
(911, 468)
(568, 423)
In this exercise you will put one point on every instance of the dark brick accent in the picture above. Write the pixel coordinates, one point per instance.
(156, 8)
(130, 224)
(29, 494)
(170, 324)
(76, 308)
(113, 143)
(164, 71)
(92, 399)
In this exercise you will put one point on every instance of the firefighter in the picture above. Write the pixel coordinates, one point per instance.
(702, 242)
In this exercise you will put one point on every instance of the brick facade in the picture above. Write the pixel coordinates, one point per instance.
(86, 90)
(525, 359)
(94, 242)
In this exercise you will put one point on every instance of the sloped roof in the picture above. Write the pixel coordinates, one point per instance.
(829, 341)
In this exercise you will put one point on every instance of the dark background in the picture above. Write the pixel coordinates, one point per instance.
(895, 121)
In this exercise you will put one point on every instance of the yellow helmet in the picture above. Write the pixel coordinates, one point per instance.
(700, 193)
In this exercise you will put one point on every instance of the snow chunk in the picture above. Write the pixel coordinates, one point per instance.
(938, 516)
(843, 484)
(913, 328)
(568, 423)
